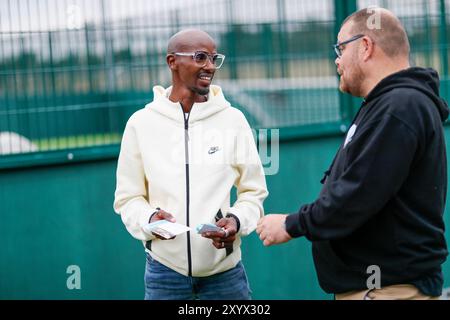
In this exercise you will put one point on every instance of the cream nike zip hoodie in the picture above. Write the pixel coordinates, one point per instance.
(187, 165)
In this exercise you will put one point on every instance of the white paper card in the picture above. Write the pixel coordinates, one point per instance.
(166, 229)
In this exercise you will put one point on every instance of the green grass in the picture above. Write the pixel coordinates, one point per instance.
(80, 141)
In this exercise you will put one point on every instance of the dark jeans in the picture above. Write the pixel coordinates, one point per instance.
(162, 283)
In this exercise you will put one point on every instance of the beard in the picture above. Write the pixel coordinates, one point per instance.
(352, 81)
(201, 91)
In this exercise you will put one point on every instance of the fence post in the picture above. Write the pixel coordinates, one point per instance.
(443, 39)
(231, 39)
(428, 52)
(347, 104)
(266, 37)
(282, 32)
(89, 62)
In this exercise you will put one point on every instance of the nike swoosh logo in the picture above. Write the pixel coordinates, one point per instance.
(213, 150)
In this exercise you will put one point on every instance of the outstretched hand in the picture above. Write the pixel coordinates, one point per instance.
(271, 229)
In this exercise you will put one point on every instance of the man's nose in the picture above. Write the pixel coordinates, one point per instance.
(209, 64)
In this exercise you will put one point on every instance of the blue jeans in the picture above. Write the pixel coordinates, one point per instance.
(162, 283)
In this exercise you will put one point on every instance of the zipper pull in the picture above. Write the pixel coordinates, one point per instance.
(186, 122)
(186, 129)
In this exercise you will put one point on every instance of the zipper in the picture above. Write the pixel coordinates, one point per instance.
(186, 157)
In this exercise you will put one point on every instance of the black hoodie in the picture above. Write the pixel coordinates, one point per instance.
(383, 198)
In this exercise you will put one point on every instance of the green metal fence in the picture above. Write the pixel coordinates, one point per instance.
(72, 72)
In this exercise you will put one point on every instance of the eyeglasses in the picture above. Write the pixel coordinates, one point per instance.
(338, 46)
(201, 58)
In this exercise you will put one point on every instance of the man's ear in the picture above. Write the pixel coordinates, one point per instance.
(367, 48)
(170, 59)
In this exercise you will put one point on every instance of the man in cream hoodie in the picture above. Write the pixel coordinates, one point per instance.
(180, 157)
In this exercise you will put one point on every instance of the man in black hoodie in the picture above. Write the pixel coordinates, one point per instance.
(377, 226)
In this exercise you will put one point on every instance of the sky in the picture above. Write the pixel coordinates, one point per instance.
(34, 15)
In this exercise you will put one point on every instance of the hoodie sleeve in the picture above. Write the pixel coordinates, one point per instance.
(250, 183)
(131, 192)
(375, 171)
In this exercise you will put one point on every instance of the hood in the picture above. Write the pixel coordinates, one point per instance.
(425, 80)
(216, 102)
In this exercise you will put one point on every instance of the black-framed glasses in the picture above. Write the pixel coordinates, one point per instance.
(201, 58)
(338, 46)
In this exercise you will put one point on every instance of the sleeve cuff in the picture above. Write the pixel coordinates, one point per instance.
(144, 220)
(294, 225)
(238, 222)
(154, 212)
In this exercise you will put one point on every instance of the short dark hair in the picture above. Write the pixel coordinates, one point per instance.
(391, 37)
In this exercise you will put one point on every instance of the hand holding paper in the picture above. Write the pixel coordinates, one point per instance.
(222, 234)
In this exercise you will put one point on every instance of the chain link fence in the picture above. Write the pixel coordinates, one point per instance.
(72, 72)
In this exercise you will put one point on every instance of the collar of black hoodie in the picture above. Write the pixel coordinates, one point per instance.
(425, 80)
(216, 103)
